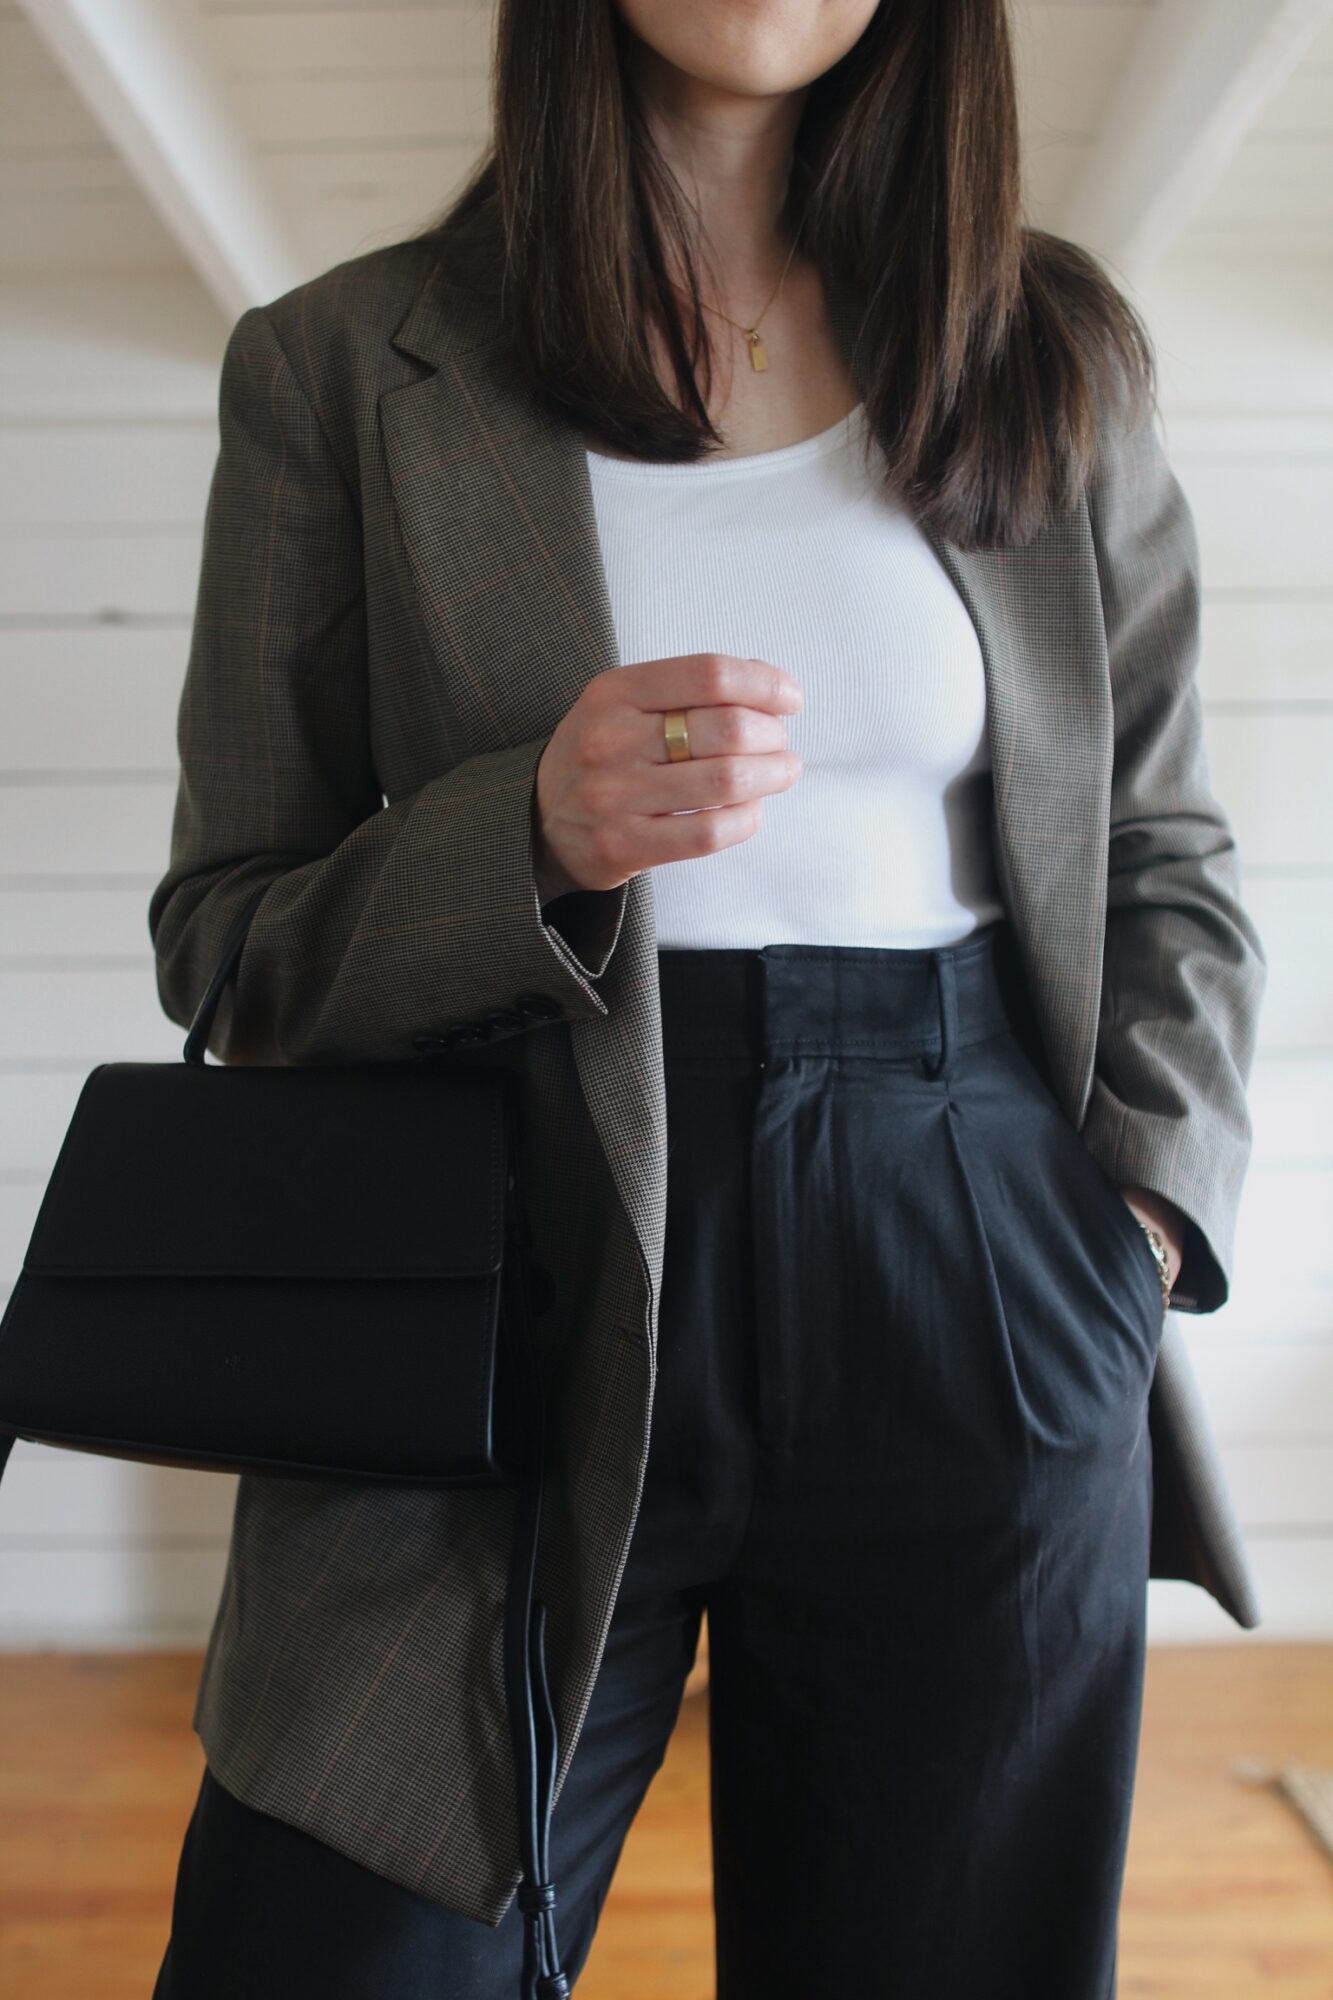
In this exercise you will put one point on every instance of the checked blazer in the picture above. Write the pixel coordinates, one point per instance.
(401, 594)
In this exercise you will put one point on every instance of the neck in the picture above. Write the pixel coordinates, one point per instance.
(730, 156)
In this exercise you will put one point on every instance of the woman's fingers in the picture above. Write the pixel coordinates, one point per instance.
(726, 779)
(707, 680)
(727, 730)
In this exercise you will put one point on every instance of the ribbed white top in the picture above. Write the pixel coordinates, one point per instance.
(798, 557)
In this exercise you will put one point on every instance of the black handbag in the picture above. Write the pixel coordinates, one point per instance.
(320, 1271)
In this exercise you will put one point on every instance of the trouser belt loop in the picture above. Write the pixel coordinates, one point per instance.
(945, 979)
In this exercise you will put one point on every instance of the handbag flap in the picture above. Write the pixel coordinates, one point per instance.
(391, 1170)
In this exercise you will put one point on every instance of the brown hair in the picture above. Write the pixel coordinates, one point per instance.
(984, 348)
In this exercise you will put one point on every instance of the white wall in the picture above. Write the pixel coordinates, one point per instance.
(107, 436)
(1246, 351)
(108, 389)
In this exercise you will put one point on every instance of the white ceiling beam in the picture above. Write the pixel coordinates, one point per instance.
(1198, 76)
(143, 70)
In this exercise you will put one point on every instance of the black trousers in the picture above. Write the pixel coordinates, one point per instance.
(900, 1453)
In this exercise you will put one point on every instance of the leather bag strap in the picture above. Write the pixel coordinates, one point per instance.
(532, 1721)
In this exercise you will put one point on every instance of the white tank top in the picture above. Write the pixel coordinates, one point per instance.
(795, 556)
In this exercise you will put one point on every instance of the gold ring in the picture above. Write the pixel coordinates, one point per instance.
(677, 735)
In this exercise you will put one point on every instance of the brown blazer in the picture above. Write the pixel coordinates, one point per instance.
(401, 595)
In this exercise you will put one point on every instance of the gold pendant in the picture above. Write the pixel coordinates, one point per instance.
(758, 353)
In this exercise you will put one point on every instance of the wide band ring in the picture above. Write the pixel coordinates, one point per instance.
(677, 735)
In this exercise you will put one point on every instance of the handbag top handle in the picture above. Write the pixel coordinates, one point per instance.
(196, 1041)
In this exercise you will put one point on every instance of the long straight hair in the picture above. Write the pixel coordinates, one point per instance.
(985, 350)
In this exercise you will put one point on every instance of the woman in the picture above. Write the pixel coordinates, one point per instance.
(710, 623)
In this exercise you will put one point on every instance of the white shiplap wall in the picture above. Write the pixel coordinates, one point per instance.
(108, 431)
(362, 115)
(1246, 352)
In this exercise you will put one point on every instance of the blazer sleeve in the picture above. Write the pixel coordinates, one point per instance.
(1184, 969)
(383, 922)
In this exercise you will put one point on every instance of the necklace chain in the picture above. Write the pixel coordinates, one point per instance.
(758, 351)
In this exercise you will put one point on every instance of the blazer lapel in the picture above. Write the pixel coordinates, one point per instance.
(495, 504)
(1037, 613)
(1050, 735)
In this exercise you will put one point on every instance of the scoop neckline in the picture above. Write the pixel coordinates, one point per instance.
(748, 462)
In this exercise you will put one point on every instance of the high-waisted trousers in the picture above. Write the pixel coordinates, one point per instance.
(899, 1453)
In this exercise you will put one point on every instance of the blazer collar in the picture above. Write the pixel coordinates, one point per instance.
(456, 309)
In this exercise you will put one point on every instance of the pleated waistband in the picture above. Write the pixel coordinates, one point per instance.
(814, 999)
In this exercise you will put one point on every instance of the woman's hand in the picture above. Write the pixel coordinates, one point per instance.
(1165, 1218)
(609, 802)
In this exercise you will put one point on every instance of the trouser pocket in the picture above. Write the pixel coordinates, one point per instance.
(1141, 1265)
(1073, 1286)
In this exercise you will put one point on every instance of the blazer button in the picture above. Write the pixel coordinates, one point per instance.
(430, 1045)
(504, 1020)
(538, 1006)
(439, 1044)
(468, 1033)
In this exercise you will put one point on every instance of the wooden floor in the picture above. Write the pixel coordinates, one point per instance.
(1227, 1897)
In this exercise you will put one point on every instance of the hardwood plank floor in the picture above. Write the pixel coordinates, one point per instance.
(1227, 1897)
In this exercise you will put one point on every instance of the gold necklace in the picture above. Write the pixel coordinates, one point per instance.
(758, 351)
